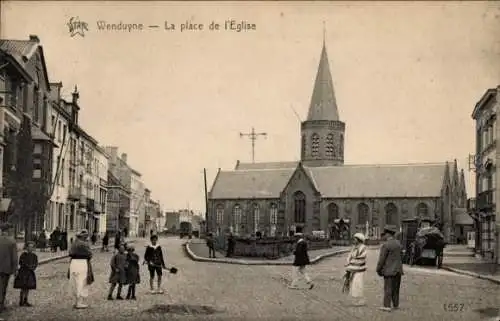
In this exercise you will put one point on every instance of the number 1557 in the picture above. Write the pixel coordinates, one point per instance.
(453, 307)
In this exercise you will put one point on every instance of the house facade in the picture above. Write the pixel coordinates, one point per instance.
(486, 156)
(320, 193)
(26, 93)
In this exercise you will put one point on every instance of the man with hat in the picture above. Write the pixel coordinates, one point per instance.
(8, 263)
(390, 267)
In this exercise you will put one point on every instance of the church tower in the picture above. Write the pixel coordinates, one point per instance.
(322, 133)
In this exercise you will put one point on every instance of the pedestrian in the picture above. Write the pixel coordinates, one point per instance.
(133, 273)
(55, 239)
(118, 275)
(153, 257)
(93, 238)
(356, 268)
(63, 241)
(105, 241)
(80, 272)
(390, 267)
(118, 239)
(301, 260)
(42, 241)
(25, 277)
(211, 245)
(8, 263)
(230, 245)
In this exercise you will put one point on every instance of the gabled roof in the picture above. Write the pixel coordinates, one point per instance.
(245, 184)
(323, 104)
(489, 94)
(268, 165)
(356, 181)
(23, 50)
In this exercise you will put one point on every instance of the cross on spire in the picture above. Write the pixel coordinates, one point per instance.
(324, 32)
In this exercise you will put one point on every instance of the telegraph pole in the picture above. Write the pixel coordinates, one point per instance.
(253, 137)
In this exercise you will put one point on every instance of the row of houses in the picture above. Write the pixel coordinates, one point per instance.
(54, 173)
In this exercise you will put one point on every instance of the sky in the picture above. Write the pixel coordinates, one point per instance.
(406, 77)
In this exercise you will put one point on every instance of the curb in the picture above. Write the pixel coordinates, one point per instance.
(473, 274)
(64, 256)
(315, 260)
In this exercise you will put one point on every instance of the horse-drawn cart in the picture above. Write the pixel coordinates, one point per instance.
(422, 242)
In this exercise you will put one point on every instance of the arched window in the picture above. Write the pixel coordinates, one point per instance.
(363, 210)
(273, 219)
(236, 219)
(422, 210)
(330, 146)
(341, 146)
(299, 201)
(391, 214)
(333, 213)
(256, 217)
(219, 214)
(315, 145)
(303, 147)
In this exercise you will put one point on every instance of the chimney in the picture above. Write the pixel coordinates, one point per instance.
(124, 158)
(76, 96)
(34, 38)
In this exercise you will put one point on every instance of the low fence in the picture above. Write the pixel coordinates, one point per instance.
(271, 248)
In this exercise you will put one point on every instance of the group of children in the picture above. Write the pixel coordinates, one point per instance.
(124, 270)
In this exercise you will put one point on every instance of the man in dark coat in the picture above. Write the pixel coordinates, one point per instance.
(390, 267)
(300, 262)
(230, 245)
(8, 263)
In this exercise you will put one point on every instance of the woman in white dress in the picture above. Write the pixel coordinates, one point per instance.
(356, 268)
(80, 269)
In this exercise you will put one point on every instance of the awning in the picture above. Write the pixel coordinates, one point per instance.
(4, 204)
(462, 217)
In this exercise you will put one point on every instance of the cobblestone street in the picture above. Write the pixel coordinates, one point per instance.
(235, 292)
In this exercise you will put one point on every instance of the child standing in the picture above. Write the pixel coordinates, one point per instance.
(118, 273)
(154, 258)
(26, 279)
(133, 275)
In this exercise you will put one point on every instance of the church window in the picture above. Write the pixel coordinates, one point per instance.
(299, 200)
(256, 217)
(422, 210)
(391, 214)
(330, 146)
(219, 213)
(363, 210)
(236, 219)
(333, 213)
(341, 146)
(273, 219)
(315, 145)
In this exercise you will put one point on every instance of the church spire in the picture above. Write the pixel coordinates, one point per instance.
(323, 103)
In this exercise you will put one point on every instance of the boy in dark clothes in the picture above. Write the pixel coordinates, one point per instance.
(133, 275)
(154, 258)
(26, 279)
(118, 273)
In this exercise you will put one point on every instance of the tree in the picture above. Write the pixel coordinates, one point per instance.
(23, 194)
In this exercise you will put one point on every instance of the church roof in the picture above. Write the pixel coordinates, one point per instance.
(267, 165)
(348, 181)
(261, 183)
(323, 103)
(352, 181)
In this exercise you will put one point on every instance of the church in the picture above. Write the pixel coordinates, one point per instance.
(319, 191)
